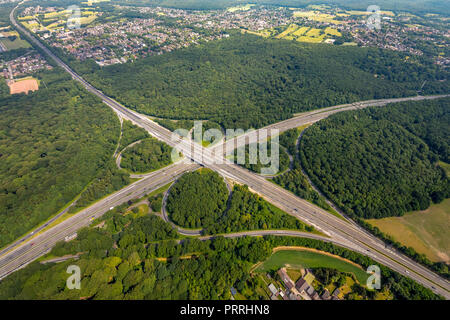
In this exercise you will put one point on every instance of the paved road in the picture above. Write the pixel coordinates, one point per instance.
(165, 216)
(42, 243)
(308, 118)
(338, 230)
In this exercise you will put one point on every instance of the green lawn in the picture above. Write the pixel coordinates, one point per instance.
(308, 259)
(425, 231)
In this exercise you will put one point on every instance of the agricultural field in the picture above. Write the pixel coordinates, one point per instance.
(333, 32)
(296, 258)
(425, 231)
(365, 13)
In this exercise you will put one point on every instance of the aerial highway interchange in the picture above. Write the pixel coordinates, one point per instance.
(337, 230)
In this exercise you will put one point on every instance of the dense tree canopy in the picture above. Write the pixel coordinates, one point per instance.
(247, 81)
(247, 211)
(371, 166)
(53, 142)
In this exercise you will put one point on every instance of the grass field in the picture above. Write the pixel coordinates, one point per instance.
(425, 231)
(58, 19)
(309, 259)
(313, 33)
(365, 13)
(292, 28)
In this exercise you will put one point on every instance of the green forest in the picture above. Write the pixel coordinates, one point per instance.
(423, 6)
(247, 81)
(174, 125)
(381, 162)
(255, 164)
(145, 156)
(110, 178)
(144, 258)
(53, 143)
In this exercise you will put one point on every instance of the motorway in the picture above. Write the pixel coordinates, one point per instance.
(340, 232)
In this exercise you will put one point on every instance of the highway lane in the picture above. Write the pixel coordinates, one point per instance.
(339, 230)
(227, 147)
(42, 243)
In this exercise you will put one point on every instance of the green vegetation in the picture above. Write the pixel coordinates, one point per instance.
(372, 165)
(147, 155)
(247, 81)
(4, 89)
(288, 139)
(197, 199)
(257, 167)
(213, 134)
(14, 42)
(174, 125)
(13, 54)
(200, 200)
(247, 211)
(139, 258)
(107, 181)
(309, 259)
(437, 6)
(131, 133)
(294, 180)
(297, 183)
(156, 202)
(53, 143)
